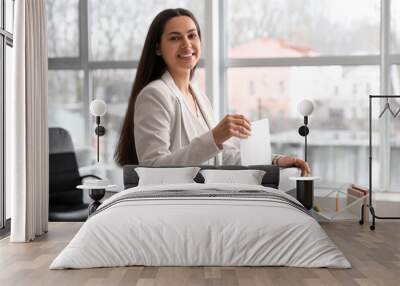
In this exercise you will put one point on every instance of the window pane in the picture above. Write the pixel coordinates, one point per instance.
(199, 79)
(9, 15)
(114, 87)
(338, 126)
(8, 81)
(63, 28)
(1, 16)
(276, 28)
(395, 135)
(66, 104)
(395, 25)
(2, 139)
(118, 28)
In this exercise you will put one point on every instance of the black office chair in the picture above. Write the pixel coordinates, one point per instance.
(65, 200)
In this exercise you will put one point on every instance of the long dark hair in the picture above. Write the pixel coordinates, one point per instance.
(151, 67)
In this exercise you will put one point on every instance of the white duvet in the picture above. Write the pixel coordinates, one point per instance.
(200, 231)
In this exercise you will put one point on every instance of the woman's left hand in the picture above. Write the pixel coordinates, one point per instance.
(290, 161)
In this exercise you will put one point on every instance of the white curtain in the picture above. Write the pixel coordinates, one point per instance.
(26, 127)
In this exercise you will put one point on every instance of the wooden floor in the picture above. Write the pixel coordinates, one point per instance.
(375, 257)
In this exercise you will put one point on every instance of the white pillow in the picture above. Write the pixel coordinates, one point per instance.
(248, 177)
(164, 176)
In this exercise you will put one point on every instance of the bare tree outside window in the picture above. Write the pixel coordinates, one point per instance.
(62, 28)
(114, 87)
(395, 26)
(313, 27)
(66, 103)
(118, 28)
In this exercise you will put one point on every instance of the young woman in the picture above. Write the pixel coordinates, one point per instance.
(168, 121)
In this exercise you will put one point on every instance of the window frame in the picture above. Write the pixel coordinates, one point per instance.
(6, 39)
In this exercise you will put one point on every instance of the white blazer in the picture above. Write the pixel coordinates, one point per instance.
(162, 136)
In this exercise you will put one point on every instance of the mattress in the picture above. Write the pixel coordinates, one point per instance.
(201, 225)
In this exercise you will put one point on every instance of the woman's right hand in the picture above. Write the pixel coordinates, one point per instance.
(231, 125)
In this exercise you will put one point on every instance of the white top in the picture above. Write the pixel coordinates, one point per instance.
(197, 124)
(165, 136)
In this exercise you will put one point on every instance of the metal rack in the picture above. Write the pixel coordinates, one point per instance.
(369, 205)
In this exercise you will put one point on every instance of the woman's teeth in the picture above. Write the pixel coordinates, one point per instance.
(185, 56)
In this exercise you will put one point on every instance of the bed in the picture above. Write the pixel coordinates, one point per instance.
(197, 224)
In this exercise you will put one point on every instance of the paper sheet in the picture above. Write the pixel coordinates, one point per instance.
(256, 150)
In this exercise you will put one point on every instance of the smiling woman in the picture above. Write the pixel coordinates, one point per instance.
(168, 121)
